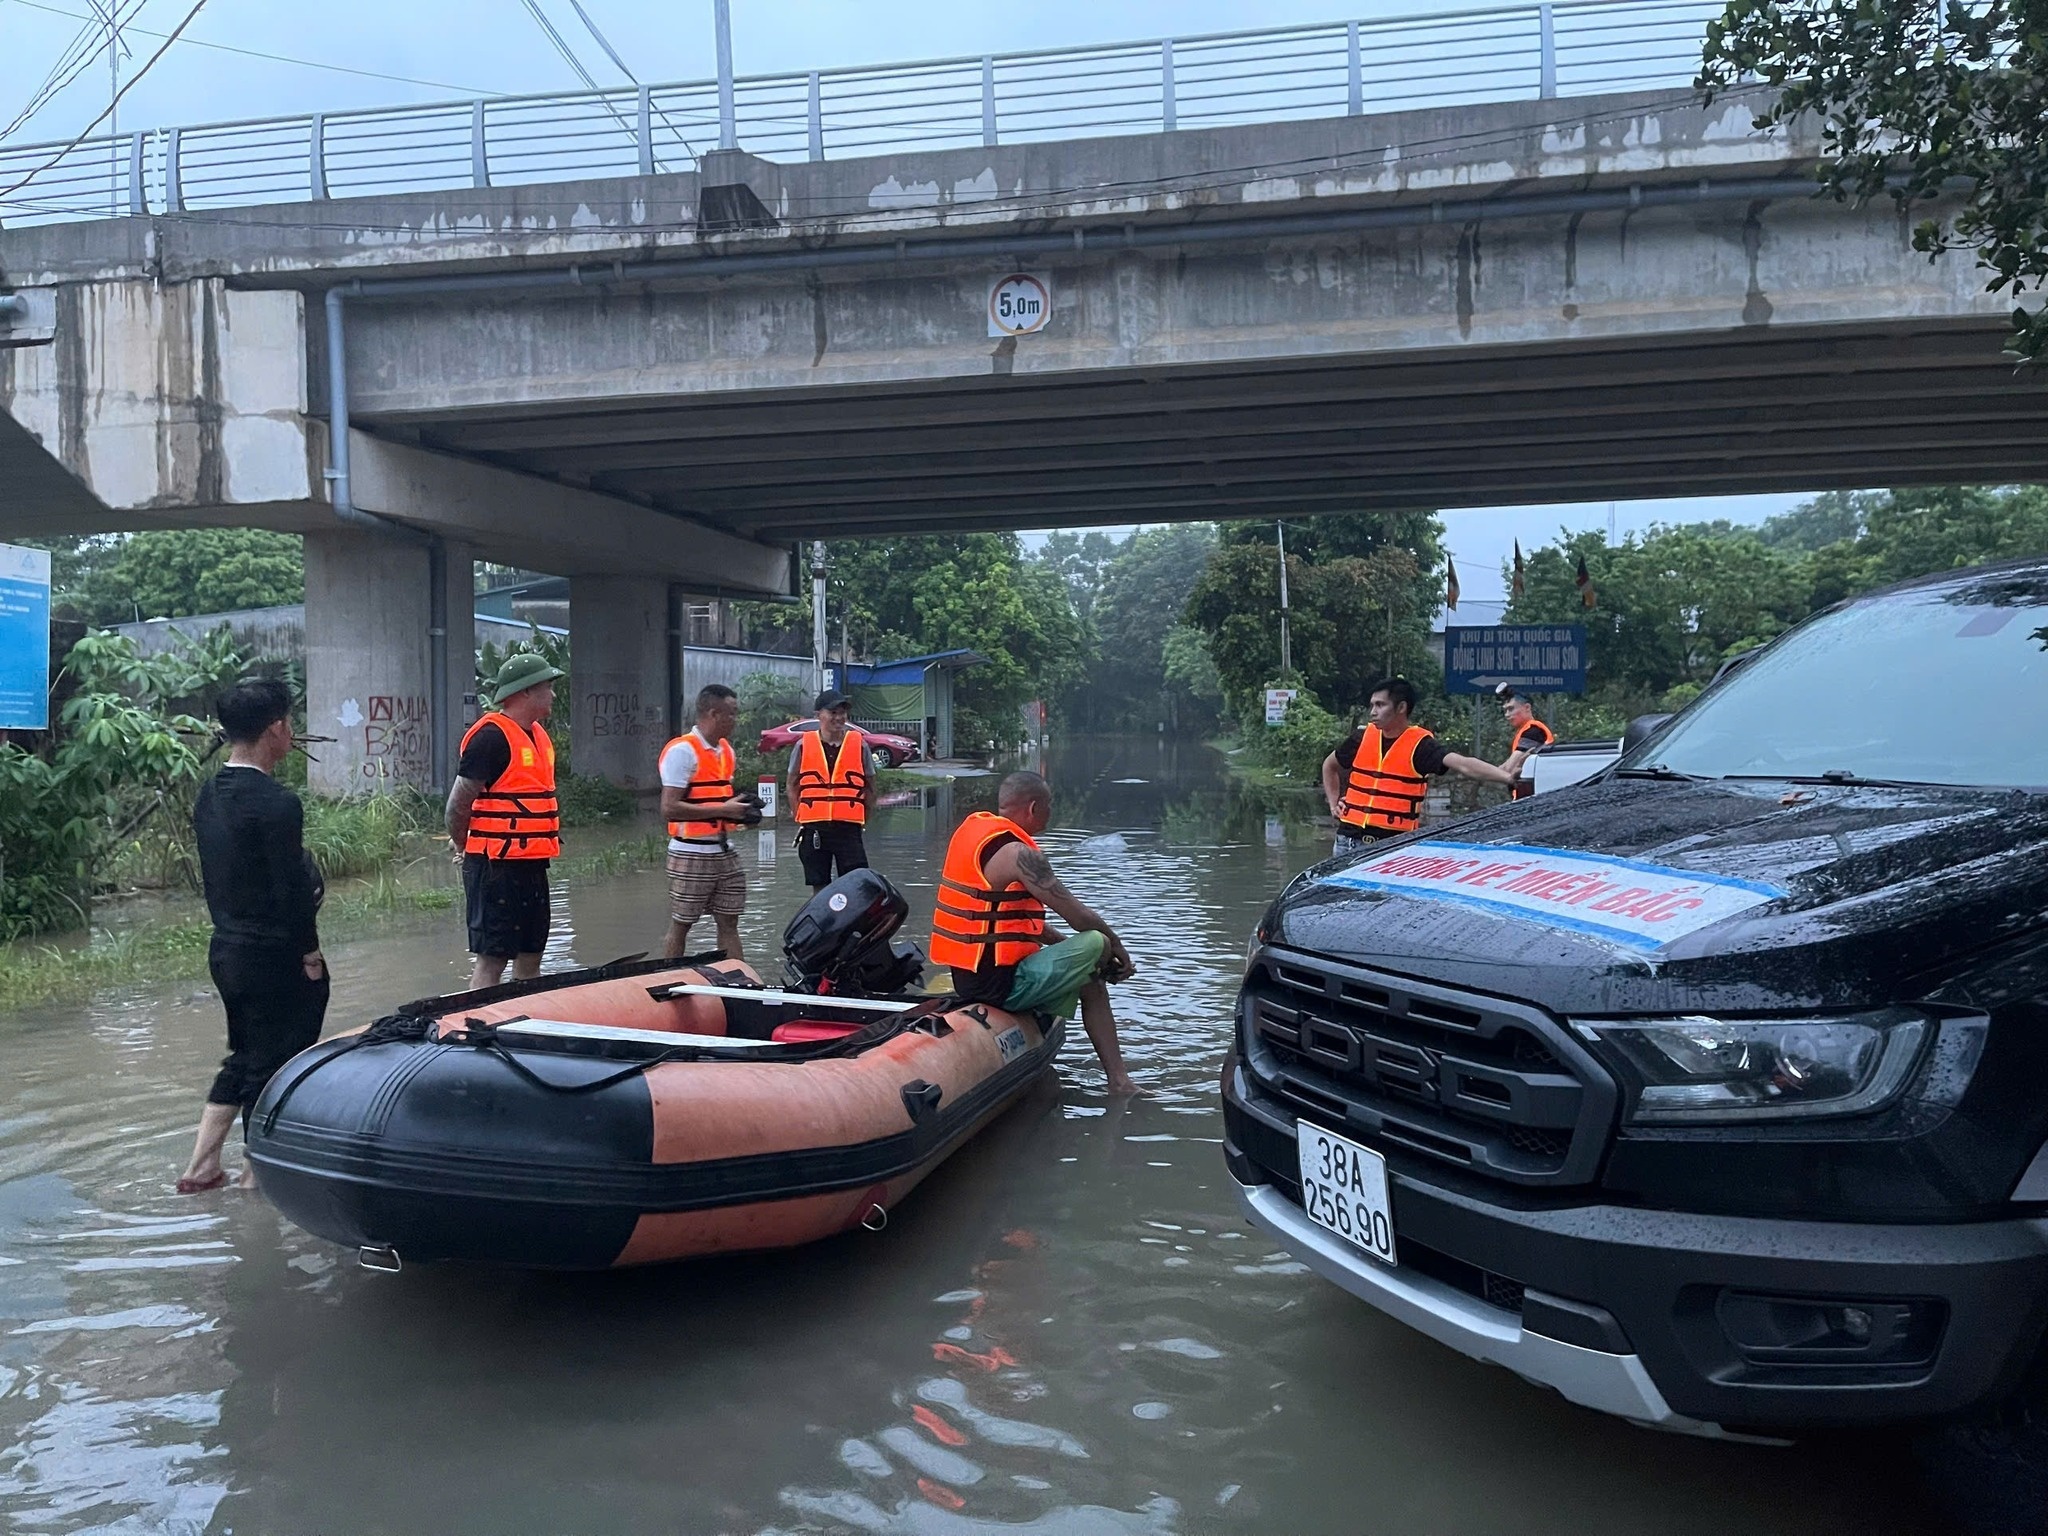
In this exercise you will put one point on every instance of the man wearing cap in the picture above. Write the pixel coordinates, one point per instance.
(1526, 737)
(503, 817)
(831, 790)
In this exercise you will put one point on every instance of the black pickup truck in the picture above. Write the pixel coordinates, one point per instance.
(1711, 1092)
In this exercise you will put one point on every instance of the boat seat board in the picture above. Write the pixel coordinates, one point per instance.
(563, 1029)
(797, 999)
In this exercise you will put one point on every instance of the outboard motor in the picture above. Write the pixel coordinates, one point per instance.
(841, 940)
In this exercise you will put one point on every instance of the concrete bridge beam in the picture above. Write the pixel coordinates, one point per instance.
(543, 525)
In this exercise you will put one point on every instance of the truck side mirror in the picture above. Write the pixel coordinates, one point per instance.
(1640, 730)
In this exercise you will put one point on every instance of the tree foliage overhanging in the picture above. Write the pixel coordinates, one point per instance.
(1914, 96)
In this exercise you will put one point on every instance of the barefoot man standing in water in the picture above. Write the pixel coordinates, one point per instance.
(262, 893)
(989, 925)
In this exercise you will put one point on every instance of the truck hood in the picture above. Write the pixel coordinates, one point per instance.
(1634, 895)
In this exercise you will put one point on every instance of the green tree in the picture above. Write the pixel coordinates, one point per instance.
(1140, 593)
(1676, 603)
(1362, 590)
(1082, 561)
(940, 592)
(1912, 96)
(1828, 519)
(172, 573)
(1671, 607)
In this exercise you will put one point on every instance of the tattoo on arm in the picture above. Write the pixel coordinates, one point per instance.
(1035, 870)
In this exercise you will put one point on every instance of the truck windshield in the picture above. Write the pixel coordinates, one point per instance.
(1936, 685)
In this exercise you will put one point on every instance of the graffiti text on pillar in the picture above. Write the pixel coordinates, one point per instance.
(397, 741)
(618, 714)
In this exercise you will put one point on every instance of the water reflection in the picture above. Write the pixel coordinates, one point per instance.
(1065, 1329)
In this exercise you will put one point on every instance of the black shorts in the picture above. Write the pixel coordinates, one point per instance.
(273, 1011)
(825, 843)
(507, 901)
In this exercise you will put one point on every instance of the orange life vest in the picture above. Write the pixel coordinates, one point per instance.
(971, 917)
(1383, 792)
(516, 816)
(838, 793)
(709, 785)
(1521, 789)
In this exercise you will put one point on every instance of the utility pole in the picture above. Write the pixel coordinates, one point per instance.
(728, 111)
(817, 591)
(113, 105)
(1286, 650)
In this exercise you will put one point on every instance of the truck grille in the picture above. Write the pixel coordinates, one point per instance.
(1493, 1086)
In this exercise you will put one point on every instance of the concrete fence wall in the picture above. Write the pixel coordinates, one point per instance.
(704, 664)
(267, 633)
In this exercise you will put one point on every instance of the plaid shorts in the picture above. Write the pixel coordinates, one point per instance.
(705, 882)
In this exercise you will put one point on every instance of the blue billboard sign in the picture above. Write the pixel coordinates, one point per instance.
(1536, 658)
(24, 639)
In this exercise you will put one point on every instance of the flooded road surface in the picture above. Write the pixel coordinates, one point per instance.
(1066, 1329)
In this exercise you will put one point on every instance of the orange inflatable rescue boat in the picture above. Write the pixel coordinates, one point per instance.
(645, 1111)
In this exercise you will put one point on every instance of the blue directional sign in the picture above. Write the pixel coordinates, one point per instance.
(24, 639)
(1538, 658)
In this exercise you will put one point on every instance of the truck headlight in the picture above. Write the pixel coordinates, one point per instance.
(1696, 1069)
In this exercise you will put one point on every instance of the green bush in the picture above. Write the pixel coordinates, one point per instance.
(767, 699)
(1296, 749)
(554, 650)
(121, 759)
(587, 800)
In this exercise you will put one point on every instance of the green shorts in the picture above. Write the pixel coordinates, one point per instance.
(1050, 980)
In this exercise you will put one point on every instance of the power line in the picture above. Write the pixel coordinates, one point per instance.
(561, 43)
(133, 81)
(273, 58)
(602, 42)
(71, 63)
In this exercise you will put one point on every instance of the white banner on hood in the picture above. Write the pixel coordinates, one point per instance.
(1644, 906)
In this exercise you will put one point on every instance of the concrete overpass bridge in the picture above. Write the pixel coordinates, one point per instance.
(658, 381)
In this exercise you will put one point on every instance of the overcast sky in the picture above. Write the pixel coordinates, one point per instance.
(452, 48)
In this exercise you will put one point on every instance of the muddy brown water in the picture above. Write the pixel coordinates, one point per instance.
(1066, 1329)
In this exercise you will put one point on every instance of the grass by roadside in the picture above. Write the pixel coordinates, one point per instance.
(32, 972)
(1239, 765)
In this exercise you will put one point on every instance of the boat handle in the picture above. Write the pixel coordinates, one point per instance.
(921, 1098)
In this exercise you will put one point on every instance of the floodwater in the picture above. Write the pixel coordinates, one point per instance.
(1066, 1329)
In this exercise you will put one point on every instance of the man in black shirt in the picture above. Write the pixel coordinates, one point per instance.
(1374, 781)
(505, 822)
(1526, 737)
(263, 893)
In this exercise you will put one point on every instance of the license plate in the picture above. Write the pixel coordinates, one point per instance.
(1344, 1190)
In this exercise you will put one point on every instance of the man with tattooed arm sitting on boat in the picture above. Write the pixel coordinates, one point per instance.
(989, 925)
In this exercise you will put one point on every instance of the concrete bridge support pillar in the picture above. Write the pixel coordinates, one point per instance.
(620, 667)
(370, 609)
(458, 579)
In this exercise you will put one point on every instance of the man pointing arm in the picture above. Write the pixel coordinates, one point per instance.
(1375, 782)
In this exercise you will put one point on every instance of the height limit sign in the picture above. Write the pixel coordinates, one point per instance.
(1018, 305)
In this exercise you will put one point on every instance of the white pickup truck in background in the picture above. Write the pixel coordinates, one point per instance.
(1567, 762)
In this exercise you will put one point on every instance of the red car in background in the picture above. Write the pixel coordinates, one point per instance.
(891, 751)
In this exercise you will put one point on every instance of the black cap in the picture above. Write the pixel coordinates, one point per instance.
(831, 698)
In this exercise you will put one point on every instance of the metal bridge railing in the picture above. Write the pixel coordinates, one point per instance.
(1570, 47)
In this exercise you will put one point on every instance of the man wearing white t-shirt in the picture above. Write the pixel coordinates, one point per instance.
(699, 800)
